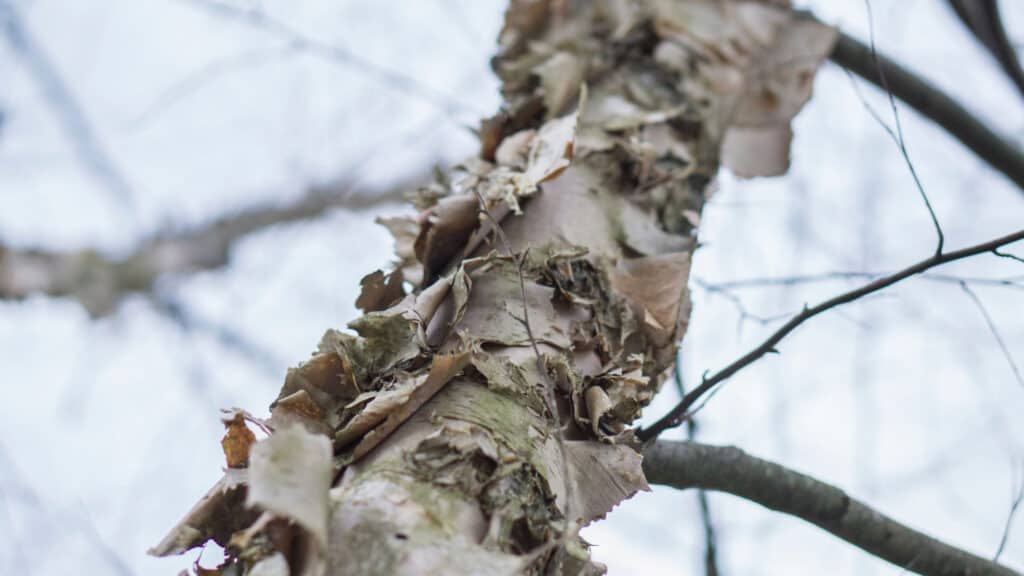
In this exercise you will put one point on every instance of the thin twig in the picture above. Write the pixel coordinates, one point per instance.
(1008, 255)
(677, 414)
(197, 79)
(400, 81)
(992, 148)
(1009, 518)
(786, 281)
(71, 115)
(898, 136)
(710, 535)
(744, 313)
(995, 331)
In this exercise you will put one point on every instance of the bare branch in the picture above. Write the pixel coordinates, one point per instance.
(678, 413)
(1017, 499)
(257, 18)
(99, 282)
(1008, 256)
(995, 331)
(982, 18)
(202, 77)
(72, 117)
(1016, 282)
(897, 136)
(729, 469)
(933, 104)
(708, 524)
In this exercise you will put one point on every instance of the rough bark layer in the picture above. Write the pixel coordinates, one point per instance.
(479, 419)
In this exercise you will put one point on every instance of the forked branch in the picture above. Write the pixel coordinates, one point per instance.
(678, 414)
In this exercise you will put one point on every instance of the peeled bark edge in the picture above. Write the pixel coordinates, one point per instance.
(555, 263)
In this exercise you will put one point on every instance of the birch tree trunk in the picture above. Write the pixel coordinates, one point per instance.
(482, 411)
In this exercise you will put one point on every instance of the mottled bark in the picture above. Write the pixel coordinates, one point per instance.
(479, 419)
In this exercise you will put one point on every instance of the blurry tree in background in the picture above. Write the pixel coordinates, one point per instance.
(488, 404)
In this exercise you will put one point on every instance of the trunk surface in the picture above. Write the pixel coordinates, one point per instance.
(481, 412)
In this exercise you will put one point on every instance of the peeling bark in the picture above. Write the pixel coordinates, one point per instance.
(478, 421)
(729, 469)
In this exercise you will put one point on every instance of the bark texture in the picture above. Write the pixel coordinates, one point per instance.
(481, 411)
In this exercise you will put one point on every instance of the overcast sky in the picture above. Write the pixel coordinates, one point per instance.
(110, 428)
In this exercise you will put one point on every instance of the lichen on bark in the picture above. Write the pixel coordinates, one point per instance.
(479, 420)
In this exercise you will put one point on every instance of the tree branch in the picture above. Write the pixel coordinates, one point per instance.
(729, 469)
(982, 18)
(72, 117)
(678, 413)
(389, 77)
(99, 282)
(933, 104)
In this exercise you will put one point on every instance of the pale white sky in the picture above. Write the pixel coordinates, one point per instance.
(109, 429)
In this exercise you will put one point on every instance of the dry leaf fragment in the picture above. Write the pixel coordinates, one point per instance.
(442, 370)
(657, 285)
(513, 150)
(551, 150)
(598, 405)
(405, 230)
(237, 440)
(299, 408)
(604, 475)
(561, 76)
(217, 515)
(289, 475)
(379, 292)
(379, 407)
(445, 230)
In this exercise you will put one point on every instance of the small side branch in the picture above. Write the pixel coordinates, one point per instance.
(677, 415)
(933, 104)
(729, 469)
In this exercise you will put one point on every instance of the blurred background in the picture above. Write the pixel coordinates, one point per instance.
(249, 145)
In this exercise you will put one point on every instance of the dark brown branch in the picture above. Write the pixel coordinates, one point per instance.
(982, 18)
(676, 415)
(99, 282)
(389, 77)
(933, 104)
(729, 469)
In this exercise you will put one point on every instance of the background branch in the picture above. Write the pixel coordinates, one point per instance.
(72, 117)
(933, 104)
(729, 469)
(982, 18)
(99, 282)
